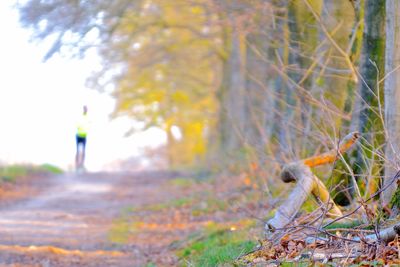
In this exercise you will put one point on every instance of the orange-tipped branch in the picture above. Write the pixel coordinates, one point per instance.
(333, 154)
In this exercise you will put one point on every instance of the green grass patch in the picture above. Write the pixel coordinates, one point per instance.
(345, 225)
(9, 173)
(180, 202)
(122, 226)
(119, 231)
(217, 248)
(128, 210)
(379, 262)
(298, 264)
(12, 172)
(50, 169)
(182, 182)
(156, 207)
(218, 245)
(175, 203)
(198, 205)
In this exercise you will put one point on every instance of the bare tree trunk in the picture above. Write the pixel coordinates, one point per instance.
(353, 102)
(170, 147)
(287, 134)
(336, 14)
(303, 39)
(231, 93)
(392, 97)
(371, 70)
(256, 90)
(372, 67)
(280, 87)
(237, 84)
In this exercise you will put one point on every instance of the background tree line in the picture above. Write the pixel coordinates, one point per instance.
(260, 81)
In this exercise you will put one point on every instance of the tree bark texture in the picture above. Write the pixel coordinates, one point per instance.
(232, 91)
(372, 67)
(339, 17)
(259, 102)
(392, 97)
(371, 92)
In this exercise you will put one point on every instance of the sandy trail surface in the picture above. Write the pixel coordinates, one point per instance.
(68, 222)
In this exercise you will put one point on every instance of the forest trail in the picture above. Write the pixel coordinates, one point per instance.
(68, 222)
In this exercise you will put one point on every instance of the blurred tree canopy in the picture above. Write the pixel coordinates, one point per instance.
(265, 81)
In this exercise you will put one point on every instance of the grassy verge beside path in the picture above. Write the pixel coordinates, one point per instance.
(202, 222)
(20, 181)
(11, 173)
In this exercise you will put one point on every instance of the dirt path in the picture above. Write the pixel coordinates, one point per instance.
(68, 223)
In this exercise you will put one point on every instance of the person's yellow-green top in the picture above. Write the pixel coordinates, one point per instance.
(83, 125)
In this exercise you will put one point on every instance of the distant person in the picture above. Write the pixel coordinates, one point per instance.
(81, 134)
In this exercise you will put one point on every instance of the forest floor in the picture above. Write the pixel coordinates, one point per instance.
(126, 219)
(155, 218)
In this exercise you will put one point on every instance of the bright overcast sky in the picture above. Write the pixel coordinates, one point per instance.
(39, 104)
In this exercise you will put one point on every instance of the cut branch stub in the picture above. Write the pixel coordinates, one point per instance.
(308, 183)
(289, 208)
(292, 171)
